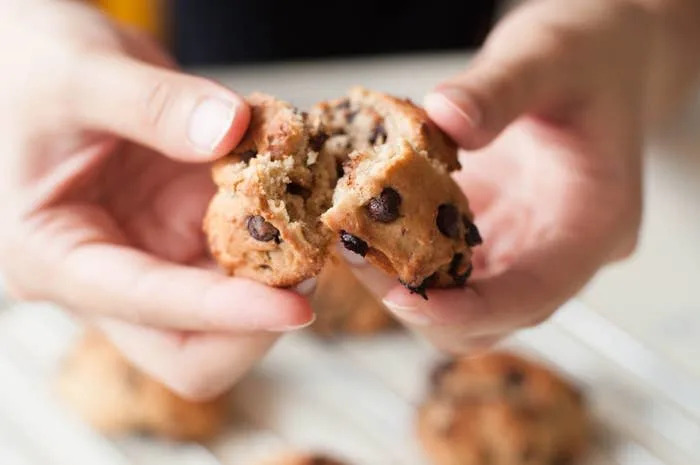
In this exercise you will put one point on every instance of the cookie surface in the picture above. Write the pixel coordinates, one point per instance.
(116, 398)
(367, 118)
(500, 409)
(263, 223)
(344, 306)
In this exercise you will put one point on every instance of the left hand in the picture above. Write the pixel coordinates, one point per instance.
(551, 113)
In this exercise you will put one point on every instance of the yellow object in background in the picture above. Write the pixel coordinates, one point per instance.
(148, 15)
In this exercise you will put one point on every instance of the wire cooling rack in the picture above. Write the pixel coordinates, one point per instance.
(354, 398)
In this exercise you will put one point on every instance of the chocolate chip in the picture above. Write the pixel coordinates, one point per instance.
(350, 116)
(261, 230)
(317, 140)
(321, 460)
(304, 115)
(441, 370)
(528, 453)
(247, 155)
(339, 170)
(459, 278)
(448, 220)
(378, 135)
(563, 458)
(422, 287)
(472, 237)
(297, 189)
(344, 104)
(385, 207)
(353, 243)
(454, 264)
(514, 377)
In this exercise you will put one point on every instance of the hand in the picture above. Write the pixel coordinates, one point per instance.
(551, 113)
(104, 149)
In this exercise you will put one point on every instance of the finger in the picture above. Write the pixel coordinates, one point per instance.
(497, 88)
(197, 366)
(142, 289)
(523, 294)
(184, 117)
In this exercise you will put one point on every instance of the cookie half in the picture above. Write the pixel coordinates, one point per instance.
(264, 221)
(396, 203)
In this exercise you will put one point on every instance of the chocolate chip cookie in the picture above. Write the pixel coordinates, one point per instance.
(280, 201)
(344, 306)
(302, 459)
(264, 221)
(395, 203)
(499, 409)
(116, 398)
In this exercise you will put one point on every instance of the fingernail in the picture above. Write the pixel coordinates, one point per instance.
(209, 123)
(351, 257)
(306, 287)
(410, 315)
(456, 101)
(296, 327)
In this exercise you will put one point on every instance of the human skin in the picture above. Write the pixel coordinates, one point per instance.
(551, 114)
(105, 178)
(104, 185)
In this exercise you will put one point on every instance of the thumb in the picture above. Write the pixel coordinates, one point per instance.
(185, 117)
(476, 105)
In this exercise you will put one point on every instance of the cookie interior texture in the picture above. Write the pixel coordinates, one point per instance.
(264, 221)
(116, 398)
(394, 186)
(501, 409)
(280, 201)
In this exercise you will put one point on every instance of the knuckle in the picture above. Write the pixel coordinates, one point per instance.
(158, 99)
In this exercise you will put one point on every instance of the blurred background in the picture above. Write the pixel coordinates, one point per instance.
(631, 339)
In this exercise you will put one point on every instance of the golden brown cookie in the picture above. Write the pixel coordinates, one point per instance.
(344, 306)
(500, 409)
(396, 203)
(279, 200)
(263, 223)
(302, 459)
(116, 398)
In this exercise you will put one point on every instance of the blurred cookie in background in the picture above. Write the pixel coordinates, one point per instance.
(344, 306)
(501, 409)
(116, 398)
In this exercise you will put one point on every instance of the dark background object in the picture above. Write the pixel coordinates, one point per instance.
(234, 31)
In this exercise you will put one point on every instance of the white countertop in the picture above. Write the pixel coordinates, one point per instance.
(632, 340)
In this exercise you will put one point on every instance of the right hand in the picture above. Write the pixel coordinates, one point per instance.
(105, 150)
